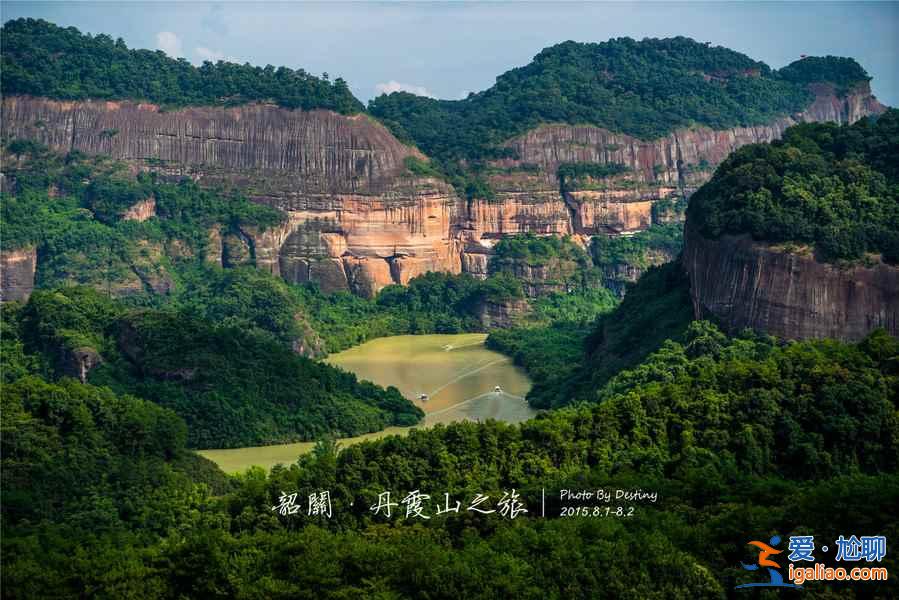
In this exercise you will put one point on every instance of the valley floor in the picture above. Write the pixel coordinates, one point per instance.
(457, 373)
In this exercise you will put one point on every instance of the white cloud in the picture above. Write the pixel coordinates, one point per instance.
(169, 43)
(395, 86)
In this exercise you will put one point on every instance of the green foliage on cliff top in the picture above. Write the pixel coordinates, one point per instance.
(833, 187)
(642, 88)
(234, 385)
(842, 72)
(535, 250)
(583, 175)
(42, 59)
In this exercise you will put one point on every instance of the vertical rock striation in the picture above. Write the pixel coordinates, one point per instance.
(742, 283)
(357, 219)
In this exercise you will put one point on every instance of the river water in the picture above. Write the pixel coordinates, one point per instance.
(457, 375)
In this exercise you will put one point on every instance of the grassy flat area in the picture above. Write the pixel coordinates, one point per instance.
(236, 460)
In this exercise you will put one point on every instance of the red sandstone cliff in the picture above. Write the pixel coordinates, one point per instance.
(357, 219)
(789, 294)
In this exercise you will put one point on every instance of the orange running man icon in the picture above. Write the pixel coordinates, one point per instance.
(766, 551)
(775, 579)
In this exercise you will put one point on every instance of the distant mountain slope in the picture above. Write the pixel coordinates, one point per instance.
(645, 89)
(361, 209)
(43, 59)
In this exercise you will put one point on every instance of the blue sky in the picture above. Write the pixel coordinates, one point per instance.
(448, 49)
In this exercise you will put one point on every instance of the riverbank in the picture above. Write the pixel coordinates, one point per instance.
(452, 377)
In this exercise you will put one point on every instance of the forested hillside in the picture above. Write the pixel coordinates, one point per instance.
(570, 357)
(233, 385)
(42, 59)
(701, 424)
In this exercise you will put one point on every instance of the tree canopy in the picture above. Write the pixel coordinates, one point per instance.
(833, 187)
(42, 59)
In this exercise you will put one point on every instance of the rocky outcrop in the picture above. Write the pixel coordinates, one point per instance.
(476, 262)
(17, 269)
(556, 275)
(141, 211)
(237, 250)
(79, 362)
(504, 314)
(212, 253)
(529, 195)
(308, 343)
(376, 240)
(341, 180)
(356, 218)
(787, 293)
(270, 151)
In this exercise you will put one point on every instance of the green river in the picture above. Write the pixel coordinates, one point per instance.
(457, 374)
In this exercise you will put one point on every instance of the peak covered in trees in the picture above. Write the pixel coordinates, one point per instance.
(42, 59)
(833, 187)
(642, 88)
(840, 71)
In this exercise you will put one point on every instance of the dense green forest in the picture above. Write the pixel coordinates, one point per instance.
(234, 386)
(844, 73)
(833, 187)
(740, 438)
(42, 59)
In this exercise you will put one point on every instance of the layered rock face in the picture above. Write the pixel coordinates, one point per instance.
(357, 219)
(528, 191)
(656, 169)
(742, 283)
(502, 314)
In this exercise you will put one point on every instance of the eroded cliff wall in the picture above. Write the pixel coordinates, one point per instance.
(357, 219)
(787, 293)
(342, 181)
(655, 169)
